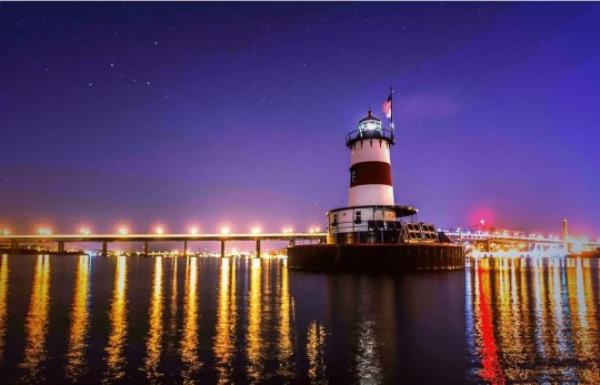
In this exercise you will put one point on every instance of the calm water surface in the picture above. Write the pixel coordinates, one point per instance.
(68, 319)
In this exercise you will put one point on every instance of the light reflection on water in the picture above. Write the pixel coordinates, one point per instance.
(315, 343)
(189, 341)
(254, 336)
(224, 341)
(75, 367)
(367, 359)
(155, 331)
(3, 301)
(285, 339)
(236, 320)
(535, 320)
(36, 323)
(173, 308)
(115, 359)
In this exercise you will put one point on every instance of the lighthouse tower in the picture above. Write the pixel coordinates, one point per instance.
(370, 167)
(371, 215)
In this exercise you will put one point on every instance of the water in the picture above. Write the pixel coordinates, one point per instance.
(67, 319)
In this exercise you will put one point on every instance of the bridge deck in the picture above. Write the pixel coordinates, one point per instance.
(162, 237)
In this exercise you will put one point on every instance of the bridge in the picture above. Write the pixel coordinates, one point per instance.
(485, 241)
(13, 242)
(481, 241)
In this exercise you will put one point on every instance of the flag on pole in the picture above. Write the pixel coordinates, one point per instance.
(388, 109)
(387, 106)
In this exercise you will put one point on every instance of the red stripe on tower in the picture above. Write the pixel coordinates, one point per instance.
(370, 173)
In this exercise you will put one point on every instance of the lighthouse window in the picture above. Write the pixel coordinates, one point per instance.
(358, 217)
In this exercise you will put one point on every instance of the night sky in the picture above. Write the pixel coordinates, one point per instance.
(236, 114)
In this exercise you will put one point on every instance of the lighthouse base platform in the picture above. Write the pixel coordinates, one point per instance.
(377, 258)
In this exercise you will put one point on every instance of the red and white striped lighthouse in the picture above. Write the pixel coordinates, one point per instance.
(372, 226)
(370, 167)
(371, 215)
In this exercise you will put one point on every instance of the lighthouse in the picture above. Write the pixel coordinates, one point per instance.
(374, 233)
(371, 215)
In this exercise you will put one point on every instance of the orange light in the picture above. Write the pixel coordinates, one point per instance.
(225, 230)
(123, 230)
(159, 230)
(84, 231)
(44, 231)
(5, 231)
(193, 230)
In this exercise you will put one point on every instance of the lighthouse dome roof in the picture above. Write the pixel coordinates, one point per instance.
(369, 117)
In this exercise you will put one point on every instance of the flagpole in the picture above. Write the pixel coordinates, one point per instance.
(392, 110)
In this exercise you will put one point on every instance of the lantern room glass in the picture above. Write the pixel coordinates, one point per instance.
(369, 125)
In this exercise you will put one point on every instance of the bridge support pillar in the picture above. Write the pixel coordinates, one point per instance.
(104, 248)
(61, 246)
(185, 247)
(145, 248)
(222, 248)
(258, 248)
(14, 245)
(565, 235)
(292, 243)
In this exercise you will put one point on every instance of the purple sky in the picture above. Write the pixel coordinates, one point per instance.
(236, 113)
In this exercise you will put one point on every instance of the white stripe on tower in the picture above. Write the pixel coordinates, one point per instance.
(371, 194)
